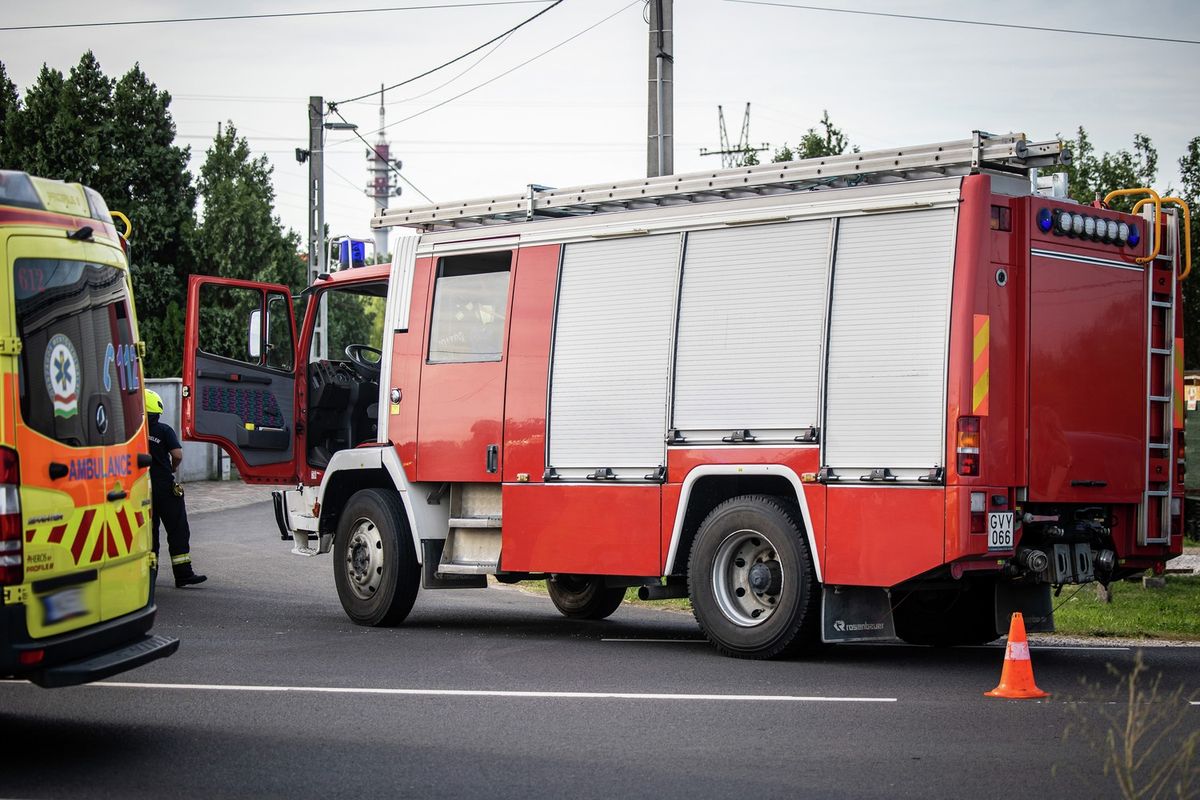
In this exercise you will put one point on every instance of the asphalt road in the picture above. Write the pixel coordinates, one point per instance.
(489, 692)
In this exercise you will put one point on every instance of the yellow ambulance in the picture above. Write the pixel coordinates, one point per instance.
(75, 563)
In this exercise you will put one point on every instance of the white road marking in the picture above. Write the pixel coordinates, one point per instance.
(1036, 647)
(669, 641)
(214, 687)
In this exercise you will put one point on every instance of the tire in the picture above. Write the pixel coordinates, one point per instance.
(954, 618)
(584, 596)
(747, 543)
(374, 565)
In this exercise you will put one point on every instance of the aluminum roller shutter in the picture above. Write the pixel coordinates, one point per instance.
(752, 311)
(612, 350)
(889, 323)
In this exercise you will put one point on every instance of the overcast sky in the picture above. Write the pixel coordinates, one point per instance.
(577, 114)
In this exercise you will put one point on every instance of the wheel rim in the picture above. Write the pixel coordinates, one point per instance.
(572, 585)
(747, 578)
(364, 559)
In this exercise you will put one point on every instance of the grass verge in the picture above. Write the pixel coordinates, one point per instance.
(1135, 612)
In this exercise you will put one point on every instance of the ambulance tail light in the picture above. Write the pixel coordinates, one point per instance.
(968, 446)
(12, 552)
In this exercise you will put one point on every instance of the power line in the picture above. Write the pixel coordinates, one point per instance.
(164, 21)
(382, 158)
(547, 51)
(428, 92)
(965, 22)
(333, 105)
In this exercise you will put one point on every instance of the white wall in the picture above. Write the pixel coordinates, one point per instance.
(201, 461)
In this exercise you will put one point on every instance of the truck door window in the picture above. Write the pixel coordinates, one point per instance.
(470, 300)
(225, 319)
(280, 352)
(78, 373)
(354, 315)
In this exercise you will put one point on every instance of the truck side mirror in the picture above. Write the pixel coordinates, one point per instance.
(254, 337)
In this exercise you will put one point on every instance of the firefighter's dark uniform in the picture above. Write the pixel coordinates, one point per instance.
(168, 505)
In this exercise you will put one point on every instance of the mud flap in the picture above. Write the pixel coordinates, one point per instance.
(432, 579)
(1031, 599)
(856, 614)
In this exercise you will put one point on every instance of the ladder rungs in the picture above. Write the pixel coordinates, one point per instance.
(1162, 304)
(1161, 351)
(1157, 493)
(1159, 399)
(1159, 446)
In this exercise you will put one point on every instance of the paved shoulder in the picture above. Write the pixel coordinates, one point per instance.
(205, 496)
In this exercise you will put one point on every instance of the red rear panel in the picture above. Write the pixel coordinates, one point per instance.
(1087, 380)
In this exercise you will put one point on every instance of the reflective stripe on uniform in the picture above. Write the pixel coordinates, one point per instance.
(186, 558)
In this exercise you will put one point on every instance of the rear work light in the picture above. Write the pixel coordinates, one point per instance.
(12, 551)
(968, 446)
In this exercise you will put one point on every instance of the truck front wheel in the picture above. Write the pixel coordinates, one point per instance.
(752, 582)
(374, 565)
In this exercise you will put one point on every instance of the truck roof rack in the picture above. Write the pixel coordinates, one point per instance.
(1007, 153)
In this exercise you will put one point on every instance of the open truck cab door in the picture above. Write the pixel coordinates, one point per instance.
(239, 375)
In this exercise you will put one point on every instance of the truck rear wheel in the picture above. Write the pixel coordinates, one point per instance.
(374, 565)
(751, 579)
(584, 596)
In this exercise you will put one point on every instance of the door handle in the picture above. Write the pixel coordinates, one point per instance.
(493, 458)
(58, 470)
(117, 494)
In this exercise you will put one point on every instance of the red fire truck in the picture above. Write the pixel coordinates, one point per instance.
(890, 394)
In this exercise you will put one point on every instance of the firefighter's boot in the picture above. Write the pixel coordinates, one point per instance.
(186, 576)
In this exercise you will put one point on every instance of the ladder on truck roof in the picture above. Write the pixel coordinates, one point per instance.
(1011, 153)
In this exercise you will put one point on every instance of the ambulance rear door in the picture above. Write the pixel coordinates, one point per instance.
(239, 379)
(75, 321)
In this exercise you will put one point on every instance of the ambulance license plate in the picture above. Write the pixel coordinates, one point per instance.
(1000, 530)
(64, 605)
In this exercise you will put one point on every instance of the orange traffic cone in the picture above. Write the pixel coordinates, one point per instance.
(1016, 679)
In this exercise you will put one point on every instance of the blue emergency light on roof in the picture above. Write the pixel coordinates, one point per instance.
(1134, 236)
(352, 253)
(1045, 220)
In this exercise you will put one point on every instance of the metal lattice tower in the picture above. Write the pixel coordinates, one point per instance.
(734, 156)
(382, 170)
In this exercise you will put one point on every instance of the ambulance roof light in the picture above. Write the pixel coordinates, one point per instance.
(16, 189)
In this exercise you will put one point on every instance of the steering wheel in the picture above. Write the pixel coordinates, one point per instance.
(368, 370)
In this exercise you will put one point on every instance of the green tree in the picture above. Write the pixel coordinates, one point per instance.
(239, 236)
(1090, 175)
(156, 191)
(827, 141)
(27, 143)
(1189, 170)
(10, 105)
(118, 138)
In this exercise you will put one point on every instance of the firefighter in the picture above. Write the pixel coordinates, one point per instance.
(167, 453)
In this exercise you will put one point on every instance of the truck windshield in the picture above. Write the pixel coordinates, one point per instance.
(78, 372)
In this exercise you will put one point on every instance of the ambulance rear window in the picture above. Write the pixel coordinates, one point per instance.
(78, 371)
